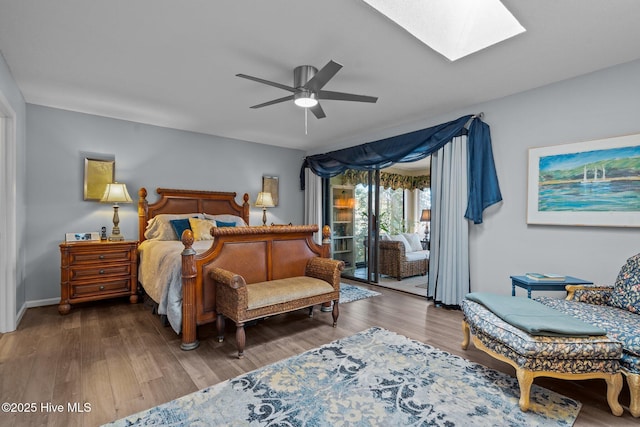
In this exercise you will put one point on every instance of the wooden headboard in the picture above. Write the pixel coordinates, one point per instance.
(189, 201)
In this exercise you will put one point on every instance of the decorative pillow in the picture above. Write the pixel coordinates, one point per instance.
(201, 228)
(179, 225)
(225, 224)
(414, 241)
(227, 218)
(159, 227)
(401, 238)
(626, 290)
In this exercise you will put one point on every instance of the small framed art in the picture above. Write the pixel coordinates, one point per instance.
(270, 185)
(98, 172)
(82, 237)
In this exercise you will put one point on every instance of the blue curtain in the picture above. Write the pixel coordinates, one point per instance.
(483, 188)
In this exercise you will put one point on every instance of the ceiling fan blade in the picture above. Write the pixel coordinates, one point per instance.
(321, 78)
(267, 82)
(318, 111)
(275, 101)
(342, 96)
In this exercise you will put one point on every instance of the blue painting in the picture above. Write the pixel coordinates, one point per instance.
(606, 180)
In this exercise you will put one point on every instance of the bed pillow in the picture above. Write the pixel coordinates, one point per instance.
(201, 228)
(626, 290)
(414, 241)
(225, 224)
(237, 220)
(179, 226)
(401, 238)
(159, 227)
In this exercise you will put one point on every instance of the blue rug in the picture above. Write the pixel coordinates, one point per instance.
(350, 293)
(373, 378)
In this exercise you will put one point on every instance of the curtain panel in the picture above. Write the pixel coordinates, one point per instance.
(388, 180)
(483, 187)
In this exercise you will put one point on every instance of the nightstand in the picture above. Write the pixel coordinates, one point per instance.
(91, 271)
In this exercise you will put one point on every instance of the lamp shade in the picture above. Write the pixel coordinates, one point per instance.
(116, 193)
(426, 215)
(264, 200)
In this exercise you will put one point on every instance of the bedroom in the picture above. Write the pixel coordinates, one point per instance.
(48, 181)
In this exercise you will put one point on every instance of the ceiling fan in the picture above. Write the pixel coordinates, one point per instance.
(307, 88)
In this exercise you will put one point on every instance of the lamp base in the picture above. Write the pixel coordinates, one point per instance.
(116, 238)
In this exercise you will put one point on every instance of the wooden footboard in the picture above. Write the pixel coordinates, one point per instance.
(259, 254)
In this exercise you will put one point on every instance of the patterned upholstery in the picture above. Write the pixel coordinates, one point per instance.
(621, 325)
(542, 353)
(626, 291)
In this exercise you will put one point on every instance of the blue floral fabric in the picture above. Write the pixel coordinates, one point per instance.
(626, 291)
(542, 353)
(620, 324)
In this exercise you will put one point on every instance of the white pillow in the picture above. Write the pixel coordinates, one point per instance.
(201, 228)
(401, 238)
(227, 218)
(414, 241)
(159, 227)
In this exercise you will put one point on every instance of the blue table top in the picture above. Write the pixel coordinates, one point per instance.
(569, 280)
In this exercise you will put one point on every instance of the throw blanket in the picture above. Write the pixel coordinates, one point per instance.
(533, 317)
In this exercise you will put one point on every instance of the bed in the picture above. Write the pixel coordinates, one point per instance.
(160, 249)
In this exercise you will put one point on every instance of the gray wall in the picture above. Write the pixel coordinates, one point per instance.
(12, 94)
(594, 106)
(146, 156)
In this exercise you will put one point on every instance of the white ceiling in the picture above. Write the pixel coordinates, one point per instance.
(173, 63)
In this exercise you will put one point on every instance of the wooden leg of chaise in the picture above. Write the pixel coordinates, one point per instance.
(633, 381)
(614, 386)
(465, 335)
(240, 339)
(335, 313)
(220, 327)
(525, 379)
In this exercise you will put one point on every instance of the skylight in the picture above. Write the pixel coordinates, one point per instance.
(453, 28)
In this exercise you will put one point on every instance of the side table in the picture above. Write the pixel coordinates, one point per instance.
(538, 285)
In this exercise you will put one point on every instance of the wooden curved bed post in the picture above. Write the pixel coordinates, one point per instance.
(189, 273)
(143, 207)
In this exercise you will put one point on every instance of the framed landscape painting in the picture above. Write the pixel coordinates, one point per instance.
(593, 183)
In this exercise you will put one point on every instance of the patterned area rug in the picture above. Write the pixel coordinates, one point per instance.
(350, 293)
(374, 378)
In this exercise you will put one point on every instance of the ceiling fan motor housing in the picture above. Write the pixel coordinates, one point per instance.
(302, 74)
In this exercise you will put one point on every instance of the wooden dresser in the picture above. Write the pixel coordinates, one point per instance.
(91, 271)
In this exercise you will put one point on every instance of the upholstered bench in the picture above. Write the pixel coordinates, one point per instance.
(563, 357)
(243, 302)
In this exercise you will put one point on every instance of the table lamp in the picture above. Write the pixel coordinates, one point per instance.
(116, 193)
(264, 201)
(426, 217)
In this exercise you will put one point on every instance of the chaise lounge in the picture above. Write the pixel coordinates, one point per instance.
(615, 309)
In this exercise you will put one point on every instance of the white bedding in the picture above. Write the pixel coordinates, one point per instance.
(159, 273)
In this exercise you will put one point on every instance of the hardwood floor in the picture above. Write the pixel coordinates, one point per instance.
(118, 358)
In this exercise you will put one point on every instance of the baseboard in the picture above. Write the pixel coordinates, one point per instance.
(42, 302)
(21, 313)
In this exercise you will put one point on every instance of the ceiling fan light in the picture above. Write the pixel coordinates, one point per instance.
(305, 99)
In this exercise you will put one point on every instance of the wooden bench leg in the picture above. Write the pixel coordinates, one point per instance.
(614, 386)
(220, 327)
(633, 381)
(525, 379)
(465, 335)
(335, 313)
(240, 339)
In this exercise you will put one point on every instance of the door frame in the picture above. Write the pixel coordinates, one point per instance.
(8, 224)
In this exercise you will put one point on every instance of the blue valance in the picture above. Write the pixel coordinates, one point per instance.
(483, 188)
